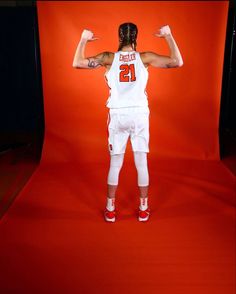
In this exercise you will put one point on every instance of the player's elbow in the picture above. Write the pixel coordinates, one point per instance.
(174, 63)
(177, 62)
(180, 63)
(76, 65)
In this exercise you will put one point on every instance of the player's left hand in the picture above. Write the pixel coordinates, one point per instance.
(163, 32)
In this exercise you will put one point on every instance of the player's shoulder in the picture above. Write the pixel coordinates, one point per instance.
(107, 57)
(146, 56)
(110, 55)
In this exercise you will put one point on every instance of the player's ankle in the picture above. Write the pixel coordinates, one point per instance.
(110, 204)
(143, 203)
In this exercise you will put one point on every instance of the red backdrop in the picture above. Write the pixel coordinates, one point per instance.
(184, 102)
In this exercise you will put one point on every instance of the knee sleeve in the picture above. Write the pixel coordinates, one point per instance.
(116, 163)
(140, 159)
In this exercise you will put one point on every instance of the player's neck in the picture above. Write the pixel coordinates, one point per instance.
(127, 48)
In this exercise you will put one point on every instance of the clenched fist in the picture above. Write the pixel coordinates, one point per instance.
(164, 31)
(88, 35)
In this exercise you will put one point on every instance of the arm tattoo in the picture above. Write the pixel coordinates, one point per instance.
(169, 65)
(105, 54)
(93, 63)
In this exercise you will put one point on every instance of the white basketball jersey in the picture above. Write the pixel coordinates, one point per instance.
(127, 80)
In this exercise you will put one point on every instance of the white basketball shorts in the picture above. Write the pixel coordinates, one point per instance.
(125, 123)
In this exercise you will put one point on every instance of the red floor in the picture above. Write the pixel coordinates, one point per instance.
(54, 238)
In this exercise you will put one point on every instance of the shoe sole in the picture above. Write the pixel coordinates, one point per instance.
(111, 220)
(141, 219)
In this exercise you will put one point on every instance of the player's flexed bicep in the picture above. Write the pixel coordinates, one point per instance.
(80, 61)
(102, 59)
(156, 60)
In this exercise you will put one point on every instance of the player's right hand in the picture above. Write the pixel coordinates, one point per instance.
(88, 35)
(163, 31)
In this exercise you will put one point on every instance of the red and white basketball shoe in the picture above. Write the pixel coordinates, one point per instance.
(143, 215)
(110, 216)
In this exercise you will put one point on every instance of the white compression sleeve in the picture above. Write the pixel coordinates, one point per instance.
(116, 163)
(140, 159)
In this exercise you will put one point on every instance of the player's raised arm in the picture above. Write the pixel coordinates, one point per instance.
(80, 61)
(173, 60)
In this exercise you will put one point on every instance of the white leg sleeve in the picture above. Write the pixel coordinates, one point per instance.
(116, 163)
(140, 160)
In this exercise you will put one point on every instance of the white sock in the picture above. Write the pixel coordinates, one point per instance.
(110, 204)
(143, 203)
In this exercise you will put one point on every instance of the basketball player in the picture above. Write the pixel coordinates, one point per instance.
(126, 75)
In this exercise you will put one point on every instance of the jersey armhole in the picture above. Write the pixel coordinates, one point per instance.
(107, 71)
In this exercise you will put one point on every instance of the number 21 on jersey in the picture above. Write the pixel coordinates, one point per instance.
(127, 73)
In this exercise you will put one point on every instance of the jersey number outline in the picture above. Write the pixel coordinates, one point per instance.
(125, 69)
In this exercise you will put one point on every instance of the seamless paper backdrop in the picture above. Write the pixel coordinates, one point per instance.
(54, 238)
(184, 102)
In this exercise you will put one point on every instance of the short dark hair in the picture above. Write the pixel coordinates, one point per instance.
(128, 33)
